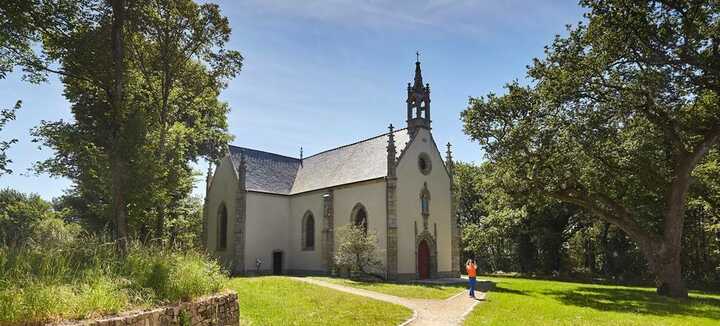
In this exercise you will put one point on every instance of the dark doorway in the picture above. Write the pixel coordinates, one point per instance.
(277, 262)
(423, 260)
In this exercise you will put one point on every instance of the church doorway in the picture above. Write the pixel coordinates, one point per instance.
(423, 260)
(277, 262)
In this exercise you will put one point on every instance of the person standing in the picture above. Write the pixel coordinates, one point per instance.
(471, 268)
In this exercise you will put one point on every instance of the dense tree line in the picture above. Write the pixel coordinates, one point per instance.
(28, 220)
(508, 232)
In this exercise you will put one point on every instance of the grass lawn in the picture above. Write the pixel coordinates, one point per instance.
(275, 300)
(517, 301)
(405, 290)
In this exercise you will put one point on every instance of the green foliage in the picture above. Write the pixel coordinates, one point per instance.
(86, 277)
(174, 275)
(143, 80)
(619, 114)
(184, 227)
(536, 236)
(603, 250)
(5, 116)
(470, 190)
(357, 251)
(19, 215)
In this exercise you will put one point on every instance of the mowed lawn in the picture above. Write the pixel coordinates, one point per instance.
(405, 290)
(516, 301)
(275, 300)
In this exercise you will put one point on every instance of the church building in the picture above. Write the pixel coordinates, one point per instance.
(272, 214)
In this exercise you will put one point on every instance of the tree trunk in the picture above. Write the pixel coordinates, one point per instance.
(669, 278)
(669, 267)
(119, 205)
(119, 208)
(664, 261)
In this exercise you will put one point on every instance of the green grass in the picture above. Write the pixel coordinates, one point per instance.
(276, 300)
(405, 290)
(517, 301)
(86, 279)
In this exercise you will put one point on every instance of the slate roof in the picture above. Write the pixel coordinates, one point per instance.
(360, 161)
(266, 172)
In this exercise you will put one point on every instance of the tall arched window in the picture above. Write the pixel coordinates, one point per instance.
(360, 217)
(308, 232)
(222, 220)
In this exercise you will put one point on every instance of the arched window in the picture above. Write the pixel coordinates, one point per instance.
(308, 232)
(222, 221)
(424, 163)
(360, 217)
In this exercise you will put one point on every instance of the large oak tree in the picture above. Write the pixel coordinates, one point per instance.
(619, 114)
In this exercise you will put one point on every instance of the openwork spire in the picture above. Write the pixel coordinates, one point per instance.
(418, 101)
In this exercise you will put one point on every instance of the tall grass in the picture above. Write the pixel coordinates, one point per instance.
(85, 278)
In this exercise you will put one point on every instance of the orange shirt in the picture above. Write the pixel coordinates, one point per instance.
(472, 270)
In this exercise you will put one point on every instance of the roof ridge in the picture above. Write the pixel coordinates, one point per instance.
(266, 152)
(355, 143)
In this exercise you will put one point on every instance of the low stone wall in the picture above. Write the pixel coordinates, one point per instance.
(221, 310)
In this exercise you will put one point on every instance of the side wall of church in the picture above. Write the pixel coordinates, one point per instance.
(222, 192)
(266, 230)
(372, 196)
(410, 221)
(305, 260)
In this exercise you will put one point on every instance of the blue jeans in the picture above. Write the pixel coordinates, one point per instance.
(471, 283)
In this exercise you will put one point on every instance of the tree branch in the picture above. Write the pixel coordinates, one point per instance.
(612, 212)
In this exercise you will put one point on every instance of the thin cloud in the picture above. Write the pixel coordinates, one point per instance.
(473, 17)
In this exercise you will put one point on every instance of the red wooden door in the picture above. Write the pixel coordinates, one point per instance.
(423, 260)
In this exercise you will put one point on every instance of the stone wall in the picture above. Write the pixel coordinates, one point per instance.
(220, 310)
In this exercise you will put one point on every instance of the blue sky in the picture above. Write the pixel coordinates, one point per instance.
(323, 73)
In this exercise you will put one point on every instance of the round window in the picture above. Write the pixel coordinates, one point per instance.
(424, 163)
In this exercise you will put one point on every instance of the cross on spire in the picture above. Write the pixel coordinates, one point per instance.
(417, 55)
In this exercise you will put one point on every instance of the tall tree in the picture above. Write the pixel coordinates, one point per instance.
(178, 49)
(116, 151)
(471, 183)
(620, 113)
(143, 79)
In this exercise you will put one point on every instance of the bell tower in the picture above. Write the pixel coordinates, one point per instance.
(418, 101)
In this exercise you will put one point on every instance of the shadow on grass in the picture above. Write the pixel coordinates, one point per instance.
(636, 301)
(500, 289)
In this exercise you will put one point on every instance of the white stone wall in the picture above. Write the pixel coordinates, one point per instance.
(266, 230)
(223, 188)
(410, 183)
(299, 259)
(372, 195)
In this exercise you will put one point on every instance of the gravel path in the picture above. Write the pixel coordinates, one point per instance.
(450, 311)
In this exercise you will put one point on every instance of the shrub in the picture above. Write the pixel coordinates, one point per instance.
(64, 277)
(357, 251)
(173, 275)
